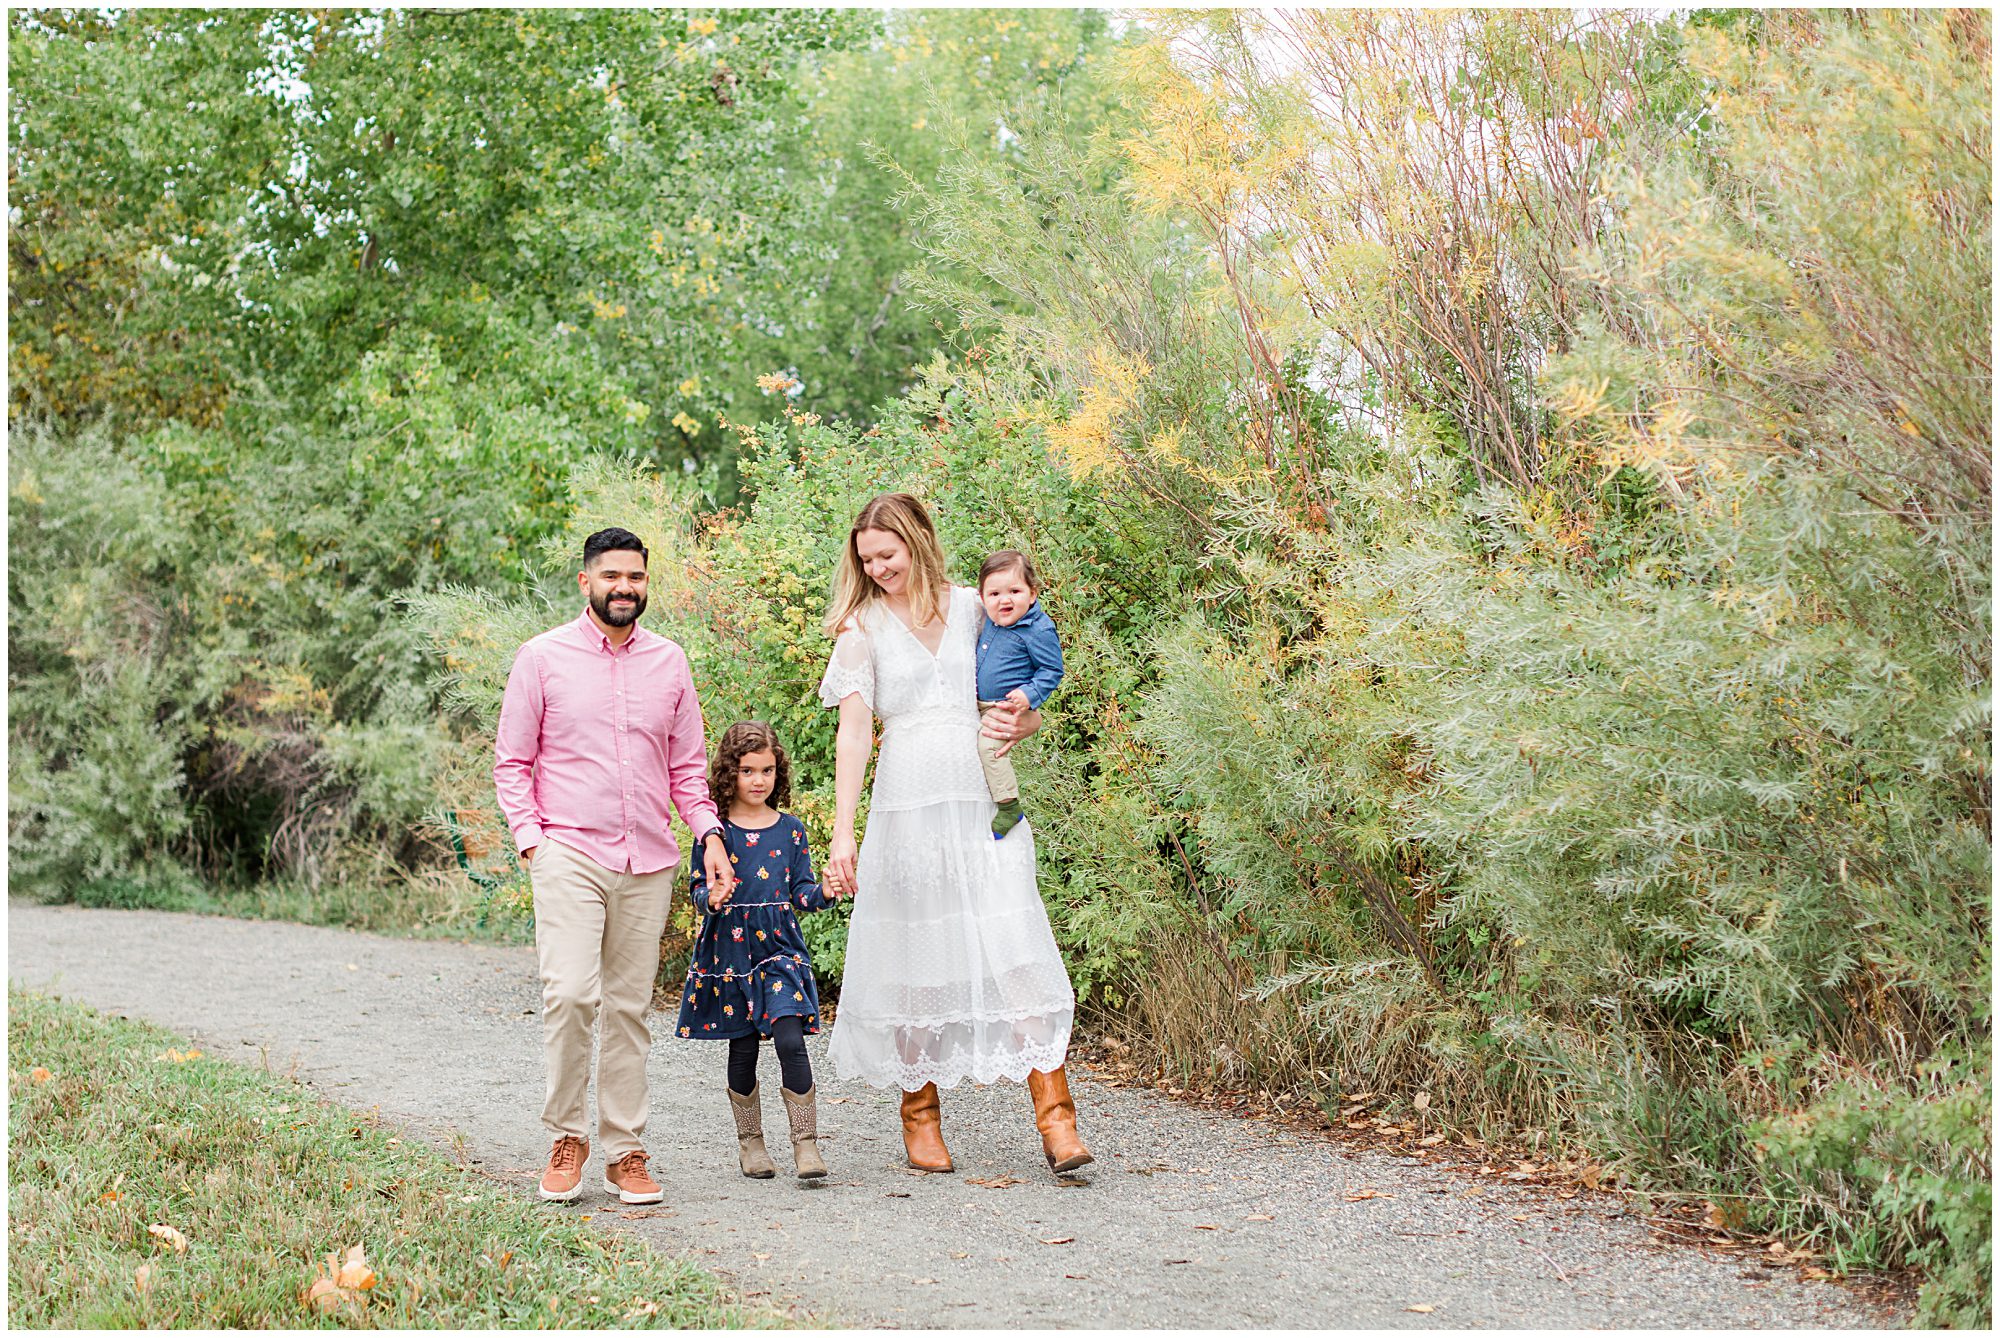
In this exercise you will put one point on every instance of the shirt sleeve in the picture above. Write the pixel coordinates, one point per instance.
(807, 894)
(1045, 654)
(516, 744)
(850, 669)
(687, 766)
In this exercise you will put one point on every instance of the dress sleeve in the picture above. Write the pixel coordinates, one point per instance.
(807, 894)
(851, 669)
(698, 884)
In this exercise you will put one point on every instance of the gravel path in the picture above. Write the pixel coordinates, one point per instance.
(1188, 1219)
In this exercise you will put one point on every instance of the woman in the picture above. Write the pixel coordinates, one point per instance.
(951, 972)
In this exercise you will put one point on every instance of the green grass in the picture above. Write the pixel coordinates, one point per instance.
(436, 904)
(264, 1180)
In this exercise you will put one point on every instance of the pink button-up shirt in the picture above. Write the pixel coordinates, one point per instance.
(593, 742)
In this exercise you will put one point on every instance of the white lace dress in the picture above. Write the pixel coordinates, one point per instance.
(952, 971)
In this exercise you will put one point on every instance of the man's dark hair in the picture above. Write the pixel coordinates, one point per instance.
(613, 540)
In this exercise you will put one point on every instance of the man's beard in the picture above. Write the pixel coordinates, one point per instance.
(619, 617)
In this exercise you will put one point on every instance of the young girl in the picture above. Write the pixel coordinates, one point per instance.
(751, 976)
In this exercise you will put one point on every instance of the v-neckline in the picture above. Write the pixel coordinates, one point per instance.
(944, 617)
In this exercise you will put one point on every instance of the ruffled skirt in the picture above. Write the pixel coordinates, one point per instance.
(952, 971)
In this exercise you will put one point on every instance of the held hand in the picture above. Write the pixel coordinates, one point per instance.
(721, 874)
(1009, 722)
(839, 873)
(1018, 698)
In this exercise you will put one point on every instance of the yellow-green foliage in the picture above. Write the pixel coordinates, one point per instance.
(1562, 688)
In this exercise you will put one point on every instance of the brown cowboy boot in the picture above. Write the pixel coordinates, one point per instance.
(802, 1110)
(750, 1153)
(1055, 1116)
(922, 1139)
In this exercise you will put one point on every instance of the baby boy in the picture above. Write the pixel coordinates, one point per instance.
(1020, 661)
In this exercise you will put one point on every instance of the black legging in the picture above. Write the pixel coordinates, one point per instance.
(788, 1038)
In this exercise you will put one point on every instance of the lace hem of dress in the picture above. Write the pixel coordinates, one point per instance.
(951, 1070)
(938, 1021)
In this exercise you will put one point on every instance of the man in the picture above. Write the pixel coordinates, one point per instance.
(599, 728)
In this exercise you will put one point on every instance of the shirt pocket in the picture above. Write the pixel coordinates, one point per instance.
(652, 713)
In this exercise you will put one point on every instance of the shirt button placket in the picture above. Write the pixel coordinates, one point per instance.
(619, 708)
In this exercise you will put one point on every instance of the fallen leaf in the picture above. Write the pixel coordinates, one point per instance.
(997, 1182)
(352, 967)
(1422, 1101)
(961, 1254)
(925, 1282)
(1260, 1217)
(1593, 1174)
(354, 1272)
(1205, 1226)
(1723, 1216)
(39, 1075)
(1058, 1240)
(1430, 1142)
(1077, 1277)
(1420, 1309)
(173, 1239)
(647, 1308)
(895, 1194)
(108, 1196)
(760, 1258)
(324, 1296)
(142, 1276)
(1361, 1194)
(1520, 1217)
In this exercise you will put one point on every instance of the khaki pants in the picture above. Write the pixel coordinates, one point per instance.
(597, 935)
(1000, 782)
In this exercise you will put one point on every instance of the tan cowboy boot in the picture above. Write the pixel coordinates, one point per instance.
(1055, 1116)
(750, 1153)
(803, 1112)
(922, 1139)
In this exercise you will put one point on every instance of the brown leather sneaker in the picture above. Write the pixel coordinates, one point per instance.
(627, 1179)
(563, 1180)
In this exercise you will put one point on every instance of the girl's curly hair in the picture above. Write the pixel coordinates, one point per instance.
(742, 738)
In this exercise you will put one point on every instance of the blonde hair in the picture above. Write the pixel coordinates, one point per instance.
(854, 590)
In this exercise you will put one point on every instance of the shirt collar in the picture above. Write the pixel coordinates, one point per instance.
(594, 637)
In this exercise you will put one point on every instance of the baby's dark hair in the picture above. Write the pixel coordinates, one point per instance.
(739, 740)
(1007, 559)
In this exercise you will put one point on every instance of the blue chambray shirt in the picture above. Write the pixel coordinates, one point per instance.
(1025, 656)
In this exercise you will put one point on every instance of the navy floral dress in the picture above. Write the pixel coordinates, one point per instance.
(750, 963)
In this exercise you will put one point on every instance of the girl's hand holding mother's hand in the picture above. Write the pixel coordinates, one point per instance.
(839, 875)
(1009, 722)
